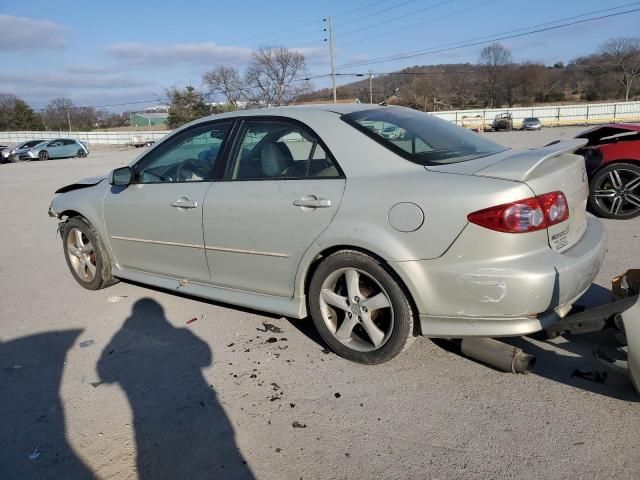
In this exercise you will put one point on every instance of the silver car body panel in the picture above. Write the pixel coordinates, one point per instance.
(631, 321)
(256, 248)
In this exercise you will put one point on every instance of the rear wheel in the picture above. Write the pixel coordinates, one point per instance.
(43, 155)
(359, 308)
(614, 191)
(85, 254)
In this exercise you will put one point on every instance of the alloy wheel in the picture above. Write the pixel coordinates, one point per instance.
(619, 192)
(82, 255)
(356, 309)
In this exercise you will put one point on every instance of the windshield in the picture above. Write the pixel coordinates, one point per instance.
(420, 137)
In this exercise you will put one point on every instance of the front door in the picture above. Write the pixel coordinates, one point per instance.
(281, 189)
(155, 224)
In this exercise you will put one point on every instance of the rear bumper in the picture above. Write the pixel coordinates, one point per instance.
(468, 292)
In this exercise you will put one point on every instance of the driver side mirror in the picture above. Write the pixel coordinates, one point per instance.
(122, 176)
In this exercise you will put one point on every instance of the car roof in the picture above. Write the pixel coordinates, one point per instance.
(298, 110)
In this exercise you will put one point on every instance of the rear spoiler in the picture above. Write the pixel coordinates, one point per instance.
(519, 166)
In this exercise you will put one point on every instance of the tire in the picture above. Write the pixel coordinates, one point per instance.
(614, 191)
(43, 155)
(344, 315)
(81, 153)
(79, 235)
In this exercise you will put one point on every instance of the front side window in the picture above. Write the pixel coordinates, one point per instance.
(420, 137)
(278, 149)
(190, 158)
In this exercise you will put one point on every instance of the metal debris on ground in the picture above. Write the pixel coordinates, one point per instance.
(337, 395)
(297, 424)
(116, 298)
(592, 376)
(87, 343)
(268, 327)
(193, 319)
(96, 384)
(35, 454)
(271, 340)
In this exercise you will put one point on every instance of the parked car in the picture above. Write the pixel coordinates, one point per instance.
(502, 121)
(308, 211)
(58, 148)
(612, 157)
(12, 154)
(531, 123)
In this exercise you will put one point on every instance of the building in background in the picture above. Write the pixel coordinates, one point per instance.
(149, 119)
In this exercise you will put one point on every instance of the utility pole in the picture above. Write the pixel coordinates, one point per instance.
(69, 120)
(333, 60)
(370, 87)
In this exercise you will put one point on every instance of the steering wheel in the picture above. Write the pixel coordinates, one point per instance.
(190, 167)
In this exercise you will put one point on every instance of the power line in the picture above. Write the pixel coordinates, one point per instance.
(495, 39)
(378, 12)
(363, 7)
(421, 24)
(432, 6)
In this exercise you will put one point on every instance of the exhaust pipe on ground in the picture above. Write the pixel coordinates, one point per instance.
(497, 354)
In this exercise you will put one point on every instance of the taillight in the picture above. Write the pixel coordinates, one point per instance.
(528, 215)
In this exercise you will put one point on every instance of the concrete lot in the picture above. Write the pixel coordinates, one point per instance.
(213, 399)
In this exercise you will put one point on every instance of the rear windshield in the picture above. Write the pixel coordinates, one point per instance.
(420, 137)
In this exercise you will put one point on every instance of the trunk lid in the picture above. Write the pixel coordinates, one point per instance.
(548, 169)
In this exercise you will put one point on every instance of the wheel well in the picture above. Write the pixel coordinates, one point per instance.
(613, 162)
(70, 214)
(337, 248)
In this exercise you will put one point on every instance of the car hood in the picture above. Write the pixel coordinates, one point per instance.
(83, 183)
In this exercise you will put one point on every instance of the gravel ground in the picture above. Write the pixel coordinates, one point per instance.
(121, 383)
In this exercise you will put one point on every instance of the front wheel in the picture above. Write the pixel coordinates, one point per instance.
(43, 155)
(86, 256)
(359, 308)
(614, 191)
(81, 153)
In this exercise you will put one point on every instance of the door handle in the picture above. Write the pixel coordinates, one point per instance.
(184, 203)
(312, 202)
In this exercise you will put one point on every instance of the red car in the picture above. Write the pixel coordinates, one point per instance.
(612, 157)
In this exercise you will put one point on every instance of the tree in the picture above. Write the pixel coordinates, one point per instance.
(186, 105)
(15, 114)
(7, 101)
(624, 54)
(24, 118)
(226, 81)
(273, 76)
(494, 59)
(57, 115)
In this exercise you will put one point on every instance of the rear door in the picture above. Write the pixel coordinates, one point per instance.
(155, 224)
(281, 189)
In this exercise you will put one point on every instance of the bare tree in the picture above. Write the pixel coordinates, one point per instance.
(495, 58)
(624, 53)
(273, 75)
(226, 81)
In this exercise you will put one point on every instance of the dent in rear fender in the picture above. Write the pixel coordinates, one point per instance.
(492, 274)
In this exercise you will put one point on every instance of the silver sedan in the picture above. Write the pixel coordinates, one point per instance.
(313, 211)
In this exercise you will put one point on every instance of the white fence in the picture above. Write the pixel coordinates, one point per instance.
(579, 114)
(108, 138)
(550, 115)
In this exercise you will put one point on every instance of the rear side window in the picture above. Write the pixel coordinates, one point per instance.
(278, 150)
(420, 137)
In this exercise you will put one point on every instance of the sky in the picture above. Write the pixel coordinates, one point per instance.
(108, 53)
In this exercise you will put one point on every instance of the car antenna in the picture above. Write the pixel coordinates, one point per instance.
(388, 99)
